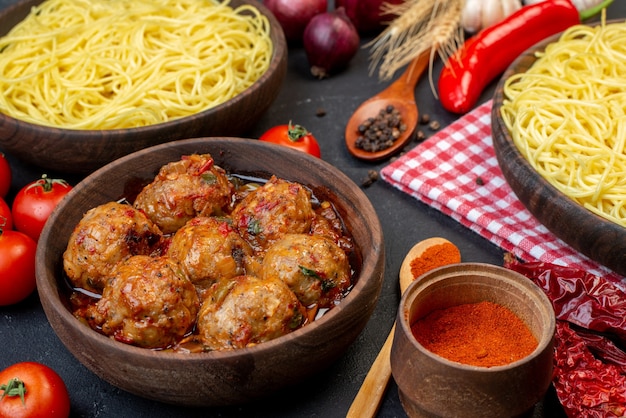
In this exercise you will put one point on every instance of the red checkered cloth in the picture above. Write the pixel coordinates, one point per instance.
(456, 172)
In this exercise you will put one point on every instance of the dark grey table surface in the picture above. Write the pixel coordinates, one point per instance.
(25, 334)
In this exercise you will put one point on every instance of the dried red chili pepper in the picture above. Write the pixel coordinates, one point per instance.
(590, 368)
(603, 348)
(488, 53)
(585, 385)
(579, 297)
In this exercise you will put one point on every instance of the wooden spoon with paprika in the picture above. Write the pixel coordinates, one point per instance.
(424, 256)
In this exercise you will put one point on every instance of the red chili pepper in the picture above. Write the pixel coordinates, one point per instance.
(586, 384)
(578, 296)
(487, 54)
(589, 358)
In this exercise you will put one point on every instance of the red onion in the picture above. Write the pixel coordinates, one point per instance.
(330, 41)
(293, 15)
(366, 14)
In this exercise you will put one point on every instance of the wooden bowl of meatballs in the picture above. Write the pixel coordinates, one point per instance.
(170, 83)
(238, 265)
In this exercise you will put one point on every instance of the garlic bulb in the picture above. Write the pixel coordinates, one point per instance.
(479, 14)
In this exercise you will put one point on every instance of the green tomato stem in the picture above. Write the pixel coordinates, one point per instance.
(15, 387)
(47, 183)
(296, 132)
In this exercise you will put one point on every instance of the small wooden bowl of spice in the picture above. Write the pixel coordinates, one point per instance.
(472, 340)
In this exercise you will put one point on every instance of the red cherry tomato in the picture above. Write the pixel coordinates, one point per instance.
(6, 219)
(33, 390)
(34, 203)
(5, 176)
(17, 267)
(293, 136)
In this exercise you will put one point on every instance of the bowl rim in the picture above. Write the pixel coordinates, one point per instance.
(452, 271)
(519, 174)
(48, 281)
(279, 54)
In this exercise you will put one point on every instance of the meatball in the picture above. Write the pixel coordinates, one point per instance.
(314, 267)
(328, 223)
(149, 303)
(208, 249)
(277, 208)
(193, 186)
(106, 235)
(248, 310)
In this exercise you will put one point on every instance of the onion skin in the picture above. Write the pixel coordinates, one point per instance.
(294, 15)
(366, 15)
(330, 42)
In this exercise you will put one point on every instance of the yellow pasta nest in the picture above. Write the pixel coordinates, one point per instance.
(109, 64)
(567, 116)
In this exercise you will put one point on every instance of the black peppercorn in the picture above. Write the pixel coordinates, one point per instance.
(379, 132)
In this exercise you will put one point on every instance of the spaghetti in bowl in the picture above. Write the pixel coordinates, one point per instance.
(558, 133)
(85, 83)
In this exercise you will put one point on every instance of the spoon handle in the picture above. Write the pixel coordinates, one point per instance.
(367, 400)
(414, 71)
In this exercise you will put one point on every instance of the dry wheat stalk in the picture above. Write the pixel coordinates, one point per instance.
(420, 25)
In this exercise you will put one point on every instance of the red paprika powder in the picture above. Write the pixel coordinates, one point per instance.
(435, 256)
(481, 334)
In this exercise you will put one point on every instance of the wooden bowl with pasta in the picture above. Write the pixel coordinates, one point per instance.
(221, 376)
(550, 162)
(96, 99)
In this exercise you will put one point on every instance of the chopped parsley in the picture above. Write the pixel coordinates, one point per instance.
(326, 284)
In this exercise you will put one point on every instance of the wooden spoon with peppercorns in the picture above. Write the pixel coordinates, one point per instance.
(400, 97)
(424, 256)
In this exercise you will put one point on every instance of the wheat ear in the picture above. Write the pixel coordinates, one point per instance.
(448, 37)
(411, 16)
(421, 25)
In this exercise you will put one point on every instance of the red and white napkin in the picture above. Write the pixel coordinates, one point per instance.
(456, 172)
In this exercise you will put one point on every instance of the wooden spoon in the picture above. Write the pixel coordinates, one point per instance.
(400, 94)
(367, 400)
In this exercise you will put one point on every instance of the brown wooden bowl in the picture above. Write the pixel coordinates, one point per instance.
(228, 377)
(430, 385)
(82, 151)
(588, 233)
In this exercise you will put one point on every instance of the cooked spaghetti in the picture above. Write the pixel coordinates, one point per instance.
(567, 116)
(108, 64)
